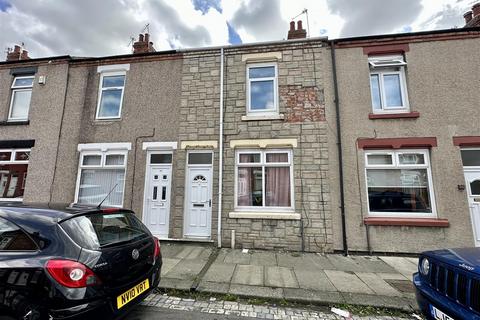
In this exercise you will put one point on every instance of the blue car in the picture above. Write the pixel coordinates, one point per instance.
(448, 284)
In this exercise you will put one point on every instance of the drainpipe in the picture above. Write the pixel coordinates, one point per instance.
(339, 149)
(220, 156)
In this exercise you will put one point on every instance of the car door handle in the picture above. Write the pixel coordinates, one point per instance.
(210, 203)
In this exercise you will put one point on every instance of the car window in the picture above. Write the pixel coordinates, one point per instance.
(12, 238)
(93, 231)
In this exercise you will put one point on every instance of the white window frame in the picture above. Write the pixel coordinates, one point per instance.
(469, 168)
(101, 89)
(387, 65)
(396, 165)
(263, 164)
(13, 161)
(267, 112)
(16, 89)
(103, 154)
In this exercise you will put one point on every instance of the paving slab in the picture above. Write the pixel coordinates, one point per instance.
(412, 260)
(406, 304)
(168, 264)
(296, 260)
(194, 253)
(321, 261)
(263, 258)
(343, 263)
(402, 265)
(214, 287)
(280, 277)
(186, 270)
(347, 282)
(237, 257)
(256, 291)
(392, 276)
(220, 272)
(248, 275)
(377, 284)
(313, 279)
(179, 284)
(373, 264)
(309, 296)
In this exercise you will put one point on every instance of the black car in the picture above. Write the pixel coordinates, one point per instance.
(74, 262)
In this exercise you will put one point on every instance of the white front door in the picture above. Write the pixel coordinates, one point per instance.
(198, 204)
(156, 208)
(472, 179)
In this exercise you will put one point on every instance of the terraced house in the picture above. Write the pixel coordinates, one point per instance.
(359, 144)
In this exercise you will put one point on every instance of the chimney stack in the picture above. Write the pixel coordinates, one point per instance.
(143, 44)
(17, 54)
(472, 18)
(298, 33)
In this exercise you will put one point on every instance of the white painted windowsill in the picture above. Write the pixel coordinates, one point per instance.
(264, 117)
(264, 215)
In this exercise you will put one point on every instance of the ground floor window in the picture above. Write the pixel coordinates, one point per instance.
(264, 179)
(399, 183)
(101, 173)
(13, 173)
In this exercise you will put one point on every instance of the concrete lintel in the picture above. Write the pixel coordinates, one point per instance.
(265, 215)
(104, 146)
(264, 143)
(164, 145)
(262, 56)
(199, 144)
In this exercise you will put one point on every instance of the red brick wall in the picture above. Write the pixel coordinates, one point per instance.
(302, 103)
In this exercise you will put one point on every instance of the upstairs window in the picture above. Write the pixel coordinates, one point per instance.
(21, 96)
(262, 89)
(399, 183)
(387, 84)
(112, 85)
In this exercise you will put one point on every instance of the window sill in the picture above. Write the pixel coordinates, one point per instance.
(263, 117)
(264, 215)
(413, 114)
(412, 222)
(15, 123)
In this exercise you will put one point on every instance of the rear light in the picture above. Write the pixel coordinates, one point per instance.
(156, 250)
(110, 210)
(71, 274)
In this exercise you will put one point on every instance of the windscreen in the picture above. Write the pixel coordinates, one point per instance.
(98, 230)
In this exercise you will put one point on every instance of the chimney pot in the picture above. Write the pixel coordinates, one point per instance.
(147, 37)
(140, 37)
(468, 16)
(299, 25)
(476, 10)
(24, 55)
(143, 44)
(16, 49)
(292, 25)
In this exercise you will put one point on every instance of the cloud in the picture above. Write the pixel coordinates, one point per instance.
(258, 20)
(4, 5)
(374, 16)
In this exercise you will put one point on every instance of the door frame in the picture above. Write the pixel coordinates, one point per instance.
(148, 172)
(187, 197)
(467, 188)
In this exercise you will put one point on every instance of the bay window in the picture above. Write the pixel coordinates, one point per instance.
(101, 172)
(264, 179)
(399, 183)
(13, 173)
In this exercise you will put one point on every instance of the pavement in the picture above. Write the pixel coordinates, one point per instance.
(312, 278)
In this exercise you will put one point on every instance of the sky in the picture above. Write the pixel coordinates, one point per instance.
(106, 27)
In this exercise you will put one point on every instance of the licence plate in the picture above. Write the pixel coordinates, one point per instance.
(439, 315)
(132, 293)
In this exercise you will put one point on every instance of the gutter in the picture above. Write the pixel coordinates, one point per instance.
(339, 149)
(220, 156)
